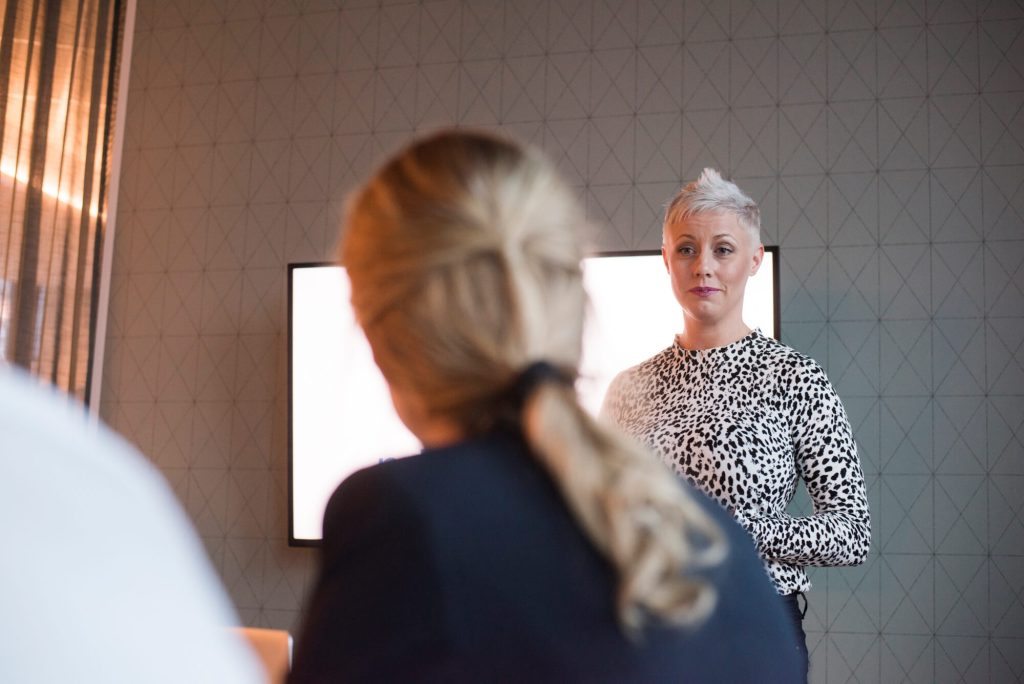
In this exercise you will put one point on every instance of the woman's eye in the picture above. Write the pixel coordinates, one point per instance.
(724, 249)
(685, 249)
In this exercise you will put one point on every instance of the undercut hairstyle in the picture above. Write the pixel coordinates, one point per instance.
(712, 193)
(464, 253)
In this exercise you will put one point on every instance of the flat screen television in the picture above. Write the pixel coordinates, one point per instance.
(340, 417)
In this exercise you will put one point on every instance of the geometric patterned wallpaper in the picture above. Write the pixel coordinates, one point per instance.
(884, 140)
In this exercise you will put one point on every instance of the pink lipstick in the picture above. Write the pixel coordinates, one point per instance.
(704, 291)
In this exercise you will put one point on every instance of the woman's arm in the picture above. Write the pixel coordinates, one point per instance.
(839, 530)
(611, 406)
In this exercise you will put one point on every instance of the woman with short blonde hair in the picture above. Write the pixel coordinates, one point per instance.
(741, 416)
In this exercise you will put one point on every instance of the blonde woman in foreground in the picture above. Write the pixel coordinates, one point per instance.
(526, 542)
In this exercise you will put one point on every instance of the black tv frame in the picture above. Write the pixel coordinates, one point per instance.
(315, 543)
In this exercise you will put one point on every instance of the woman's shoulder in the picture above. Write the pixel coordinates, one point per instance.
(781, 356)
(648, 369)
(411, 479)
(369, 494)
(636, 381)
(663, 358)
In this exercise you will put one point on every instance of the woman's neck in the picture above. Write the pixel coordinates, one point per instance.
(432, 429)
(436, 434)
(700, 336)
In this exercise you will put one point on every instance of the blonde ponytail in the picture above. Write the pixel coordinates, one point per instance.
(464, 256)
(631, 507)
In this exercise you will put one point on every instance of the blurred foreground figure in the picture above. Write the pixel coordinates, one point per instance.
(526, 543)
(102, 578)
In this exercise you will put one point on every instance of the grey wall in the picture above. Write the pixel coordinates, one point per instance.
(883, 139)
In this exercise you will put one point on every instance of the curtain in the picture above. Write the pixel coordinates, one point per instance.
(58, 62)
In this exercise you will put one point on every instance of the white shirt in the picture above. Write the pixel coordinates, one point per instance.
(102, 578)
(744, 423)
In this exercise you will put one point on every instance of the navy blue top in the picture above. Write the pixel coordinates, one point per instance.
(463, 564)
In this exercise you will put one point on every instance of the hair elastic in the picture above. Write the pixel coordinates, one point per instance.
(535, 374)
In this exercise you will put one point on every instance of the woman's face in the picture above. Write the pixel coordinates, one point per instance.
(709, 258)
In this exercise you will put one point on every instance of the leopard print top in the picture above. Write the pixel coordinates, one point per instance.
(743, 422)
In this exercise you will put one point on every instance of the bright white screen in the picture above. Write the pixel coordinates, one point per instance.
(634, 315)
(342, 418)
(341, 412)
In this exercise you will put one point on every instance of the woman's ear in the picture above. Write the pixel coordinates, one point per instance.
(758, 258)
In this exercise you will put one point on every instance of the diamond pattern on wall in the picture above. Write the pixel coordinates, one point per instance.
(1004, 346)
(903, 209)
(216, 367)
(802, 136)
(959, 357)
(853, 283)
(960, 435)
(568, 88)
(660, 22)
(612, 83)
(907, 591)
(1005, 436)
(804, 276)
(902, 66)
(852, 136)
(883, 140)
(906, 518)
(1006, 531)
(754, 72)
(1007, 609)
(754, 137)
(952, 59)
(706, 75)
(850, 657)
(905, 282)
(570, 25)
(705, 141)
(657, 144)
(957, 280)
(240, 50)
(754, 19)
(802, 69)
(852, 362)
(962, 587)
(907, 658)
(1003, 202)
(906, 435)
(481, 35)
(707, 20)
(1000, 55)
(954, 134)
(479, 93)
(903, 134)
(851, 65)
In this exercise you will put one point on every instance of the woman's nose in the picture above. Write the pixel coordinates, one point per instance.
(702, 265)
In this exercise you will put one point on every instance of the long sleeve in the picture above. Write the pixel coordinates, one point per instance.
(611, 406)
(746, 423)
(839, 530)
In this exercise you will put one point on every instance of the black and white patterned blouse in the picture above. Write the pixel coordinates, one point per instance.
(743, 422)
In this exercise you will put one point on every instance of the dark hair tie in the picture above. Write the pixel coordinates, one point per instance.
(536, 373)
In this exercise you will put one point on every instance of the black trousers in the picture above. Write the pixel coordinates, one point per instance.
(796, 608)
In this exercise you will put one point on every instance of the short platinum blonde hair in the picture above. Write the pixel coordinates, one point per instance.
(712, 193)
(464, 256)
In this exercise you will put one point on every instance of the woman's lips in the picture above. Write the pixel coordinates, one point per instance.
(704, 291)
